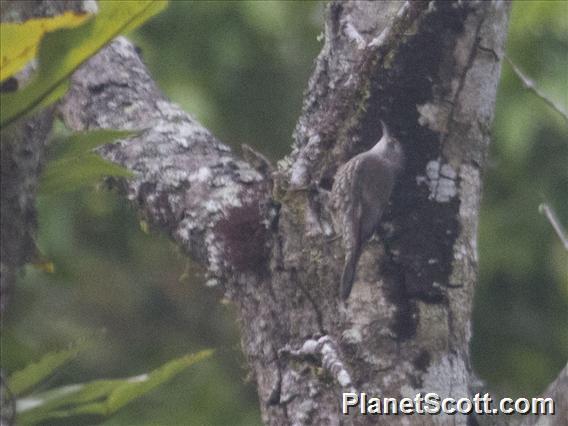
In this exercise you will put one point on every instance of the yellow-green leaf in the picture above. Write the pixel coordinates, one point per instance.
(24, 380)
(39, 261)
(137, 386)
(44, 265)
(19, 41)
(144, 227)
(99, 397)
(62, 51)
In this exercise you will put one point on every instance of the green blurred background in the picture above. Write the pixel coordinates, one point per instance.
(241, 68)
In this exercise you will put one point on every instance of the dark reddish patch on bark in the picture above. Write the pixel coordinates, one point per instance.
(244, 237)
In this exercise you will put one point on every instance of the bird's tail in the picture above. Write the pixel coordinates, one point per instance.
(348, 275)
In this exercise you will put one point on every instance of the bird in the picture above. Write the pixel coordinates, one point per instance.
(359, 196)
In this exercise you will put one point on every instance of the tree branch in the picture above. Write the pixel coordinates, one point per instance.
(187, 183)
(531, 86)
(546, 210)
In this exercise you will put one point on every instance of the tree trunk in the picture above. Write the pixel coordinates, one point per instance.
(427, 69)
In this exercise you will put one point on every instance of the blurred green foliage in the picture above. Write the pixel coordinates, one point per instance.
(520, 326)
(241, 68)
(94, 400)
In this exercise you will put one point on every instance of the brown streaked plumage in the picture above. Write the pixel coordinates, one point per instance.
(360, 194)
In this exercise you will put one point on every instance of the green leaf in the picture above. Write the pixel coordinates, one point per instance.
(74, 173)
(22, 381)
(73, 165)
(136, 386)
(62, 51)
(82, 142)
(100, 397)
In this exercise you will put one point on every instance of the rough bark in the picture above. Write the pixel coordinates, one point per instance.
(22, 152)
(22, 156)
(430, 71)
